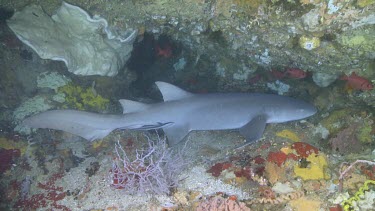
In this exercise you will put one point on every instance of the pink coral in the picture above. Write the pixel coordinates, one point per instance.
(218, 203)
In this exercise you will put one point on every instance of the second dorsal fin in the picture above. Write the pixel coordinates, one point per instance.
(129, 106)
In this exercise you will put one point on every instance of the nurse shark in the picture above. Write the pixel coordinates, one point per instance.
(180, 113)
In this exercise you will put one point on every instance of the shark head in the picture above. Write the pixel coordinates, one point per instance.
(289, 109)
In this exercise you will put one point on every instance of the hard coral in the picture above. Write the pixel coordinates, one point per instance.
(274, 173)
(216, 169)
(277, 157)
(304, 150)
(266, 192)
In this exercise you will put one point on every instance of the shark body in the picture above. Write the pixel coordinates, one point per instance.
(180, 113)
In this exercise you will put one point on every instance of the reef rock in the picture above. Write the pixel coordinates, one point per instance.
(324, 79)
(87, 45)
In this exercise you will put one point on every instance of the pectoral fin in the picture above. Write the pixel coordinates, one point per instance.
(254, 129)
(175, 133)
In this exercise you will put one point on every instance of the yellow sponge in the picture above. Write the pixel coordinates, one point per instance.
(289, 135)
(315, 170)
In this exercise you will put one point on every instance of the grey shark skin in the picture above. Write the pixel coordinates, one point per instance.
(180, 113)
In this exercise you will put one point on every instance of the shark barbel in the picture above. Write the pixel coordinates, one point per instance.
(180, 113)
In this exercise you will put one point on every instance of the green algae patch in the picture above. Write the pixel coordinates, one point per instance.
(8, 144)
(365, 3)
(336, 120)
(364, 133)
(82, 98)
(362, 39)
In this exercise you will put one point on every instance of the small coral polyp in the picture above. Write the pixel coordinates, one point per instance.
(309, 43)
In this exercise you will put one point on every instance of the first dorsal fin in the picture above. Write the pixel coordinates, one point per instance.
(171, 92)
(129, 106)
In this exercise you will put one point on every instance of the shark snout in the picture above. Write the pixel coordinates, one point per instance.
(313, 110)
(307, 110)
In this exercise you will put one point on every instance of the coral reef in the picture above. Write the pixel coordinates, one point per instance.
(216, 169)
(350, 203)
(324, 79)
(309, 43)
(282, 198)
(275, 173)
(247, 169)
(154, 169)
(25, 187)
(277, 157)
(52, 80)
(92, 169)
(305, 203)
(315, 169)
(8, 144)
(218, 203)
(350, 167)
(31, 106)
(304, 150)
(364, 3)
(6, 158)
(346, 141)
(358, 38)
(72, 36)
(336, 120)
(289, 135)
(232, 38)
(279, 87)
(366, 132)
(198, 175)
(244, 36)
(48, 199)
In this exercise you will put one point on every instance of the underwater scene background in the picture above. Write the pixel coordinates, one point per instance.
(87, 55)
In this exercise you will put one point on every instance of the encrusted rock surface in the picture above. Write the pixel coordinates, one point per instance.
(258, 34)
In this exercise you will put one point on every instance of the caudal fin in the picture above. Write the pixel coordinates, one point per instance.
(89, 126)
